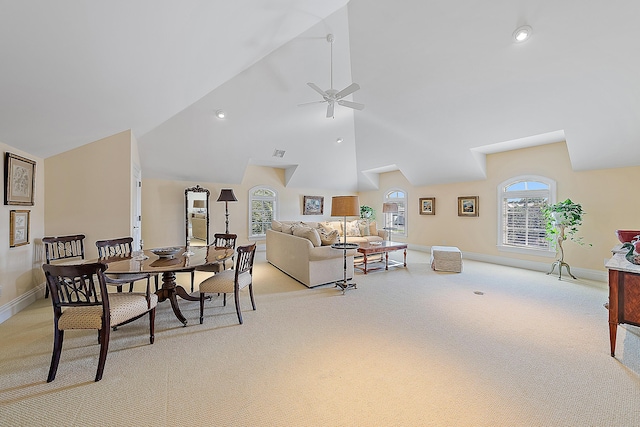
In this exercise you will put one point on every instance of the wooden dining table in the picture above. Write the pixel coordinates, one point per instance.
(169, 266)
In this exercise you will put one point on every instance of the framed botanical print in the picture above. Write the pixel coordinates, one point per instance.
(19, 179)
(468, 206)
(18, 228)
(313, 205)
(428, 206)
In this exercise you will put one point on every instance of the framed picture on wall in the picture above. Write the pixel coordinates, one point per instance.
(19, 179)
(428, 206)
(18, 228)
(313, 205)
(468, 206)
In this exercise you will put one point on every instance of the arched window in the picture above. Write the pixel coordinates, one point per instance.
(521, 224)
(262, 209)
(397, 222)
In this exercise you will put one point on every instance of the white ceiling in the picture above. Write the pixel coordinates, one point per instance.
(442, 82)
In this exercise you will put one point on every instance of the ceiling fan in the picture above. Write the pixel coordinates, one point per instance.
(332, 96)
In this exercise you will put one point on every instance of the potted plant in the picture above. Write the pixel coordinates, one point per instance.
(562, 221)
(367, 212)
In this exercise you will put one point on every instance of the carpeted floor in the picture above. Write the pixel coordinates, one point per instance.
(492, 346)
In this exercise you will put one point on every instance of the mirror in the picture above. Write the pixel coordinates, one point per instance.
(196, 208)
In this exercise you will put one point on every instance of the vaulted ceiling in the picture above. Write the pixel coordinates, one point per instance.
(443, 84)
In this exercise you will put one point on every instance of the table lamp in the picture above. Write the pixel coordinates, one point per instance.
(226, 196)
(389, 208)
(199, 205)
(345, 206)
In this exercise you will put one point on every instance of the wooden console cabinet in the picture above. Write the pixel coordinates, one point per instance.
(624, 295)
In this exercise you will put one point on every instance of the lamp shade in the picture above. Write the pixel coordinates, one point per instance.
(226, 195)
(345, 206)
(389, 207)
(198, 204)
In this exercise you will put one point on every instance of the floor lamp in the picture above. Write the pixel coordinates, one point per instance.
(226, 196)
(345, 206)
(390, 208)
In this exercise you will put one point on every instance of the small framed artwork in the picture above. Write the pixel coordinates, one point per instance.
(468, 206)
(19, 179)
(428, 206)
(313, 205)
(18, 228)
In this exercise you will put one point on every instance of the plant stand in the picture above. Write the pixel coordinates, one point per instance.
(560, 262)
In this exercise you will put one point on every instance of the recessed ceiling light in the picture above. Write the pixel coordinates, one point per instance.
(339, 140)
(522, 33)
(220, 114)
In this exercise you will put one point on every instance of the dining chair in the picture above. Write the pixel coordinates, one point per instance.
(69, 248)
(220, 240)
(121, 247)
(229, 281)
(78, 303)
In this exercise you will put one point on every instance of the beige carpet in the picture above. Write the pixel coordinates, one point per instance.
(492, 346)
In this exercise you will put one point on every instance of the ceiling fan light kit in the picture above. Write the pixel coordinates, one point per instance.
(332, 96)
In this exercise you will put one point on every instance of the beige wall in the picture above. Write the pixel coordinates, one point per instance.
(607, 196)
(89, 191)
(163, 214)
(20, 266)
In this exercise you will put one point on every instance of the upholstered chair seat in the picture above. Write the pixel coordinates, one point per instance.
(232, 281)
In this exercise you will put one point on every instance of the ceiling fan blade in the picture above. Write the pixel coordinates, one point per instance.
(347, 90)
(330, 110)
(317, 89)
(354, 105)
(309, 103)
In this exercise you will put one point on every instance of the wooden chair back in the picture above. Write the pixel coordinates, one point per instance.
(222, 240)
(244, 262)
(122, 246)
(63, 247)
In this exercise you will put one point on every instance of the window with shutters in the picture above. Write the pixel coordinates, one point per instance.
(262, 208)
(521, 224)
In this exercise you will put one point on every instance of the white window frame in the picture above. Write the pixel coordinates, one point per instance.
(404, 201)
(253, 197)
(550, 253)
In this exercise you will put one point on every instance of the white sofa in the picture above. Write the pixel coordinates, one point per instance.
(308, 258)
(309, 265)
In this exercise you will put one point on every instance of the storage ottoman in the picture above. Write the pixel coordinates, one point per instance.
(446, 258)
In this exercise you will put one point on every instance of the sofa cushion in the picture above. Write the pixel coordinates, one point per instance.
(308, 233)
(276, 225)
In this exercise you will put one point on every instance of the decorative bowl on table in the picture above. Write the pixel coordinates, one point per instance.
(166, 252)
(626, 236)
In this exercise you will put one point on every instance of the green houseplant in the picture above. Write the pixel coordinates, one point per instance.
(367, 212)
(562, 221)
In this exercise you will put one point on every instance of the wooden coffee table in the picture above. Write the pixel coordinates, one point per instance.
(383, 248)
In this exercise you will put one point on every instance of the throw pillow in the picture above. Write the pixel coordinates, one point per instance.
(287, 228)
(308, 233)
(276, 225)
(353, 229)
(328, 238)
(330, 226)
(364, 228)
(373, 228)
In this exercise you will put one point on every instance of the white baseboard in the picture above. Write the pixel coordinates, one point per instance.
(599, 276)
(23, 301)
